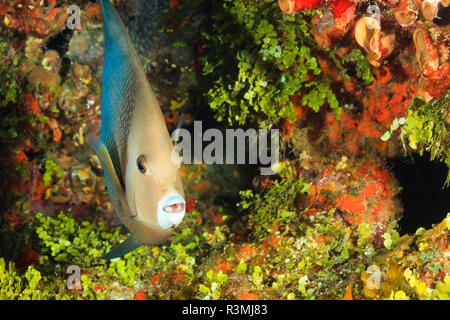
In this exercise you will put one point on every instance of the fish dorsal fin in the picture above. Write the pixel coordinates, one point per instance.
(122, 249)
(114, 28)
(123, 81)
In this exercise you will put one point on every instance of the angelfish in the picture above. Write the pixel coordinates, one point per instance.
(135, 150)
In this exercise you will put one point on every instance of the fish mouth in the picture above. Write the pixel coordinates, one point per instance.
(171, 210)
(173, 204)
(174, 208)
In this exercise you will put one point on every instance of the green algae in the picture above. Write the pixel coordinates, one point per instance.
(257, 58)
(15, 286)
(284, 253)
(11, 89)
(427, 129)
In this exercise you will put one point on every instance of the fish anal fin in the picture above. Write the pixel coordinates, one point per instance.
(122, 249)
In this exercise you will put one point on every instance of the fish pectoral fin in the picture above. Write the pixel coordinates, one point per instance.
(122, 249)
(105, 159)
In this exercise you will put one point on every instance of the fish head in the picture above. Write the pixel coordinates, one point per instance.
(154, 192)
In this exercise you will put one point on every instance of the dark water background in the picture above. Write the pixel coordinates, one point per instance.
(424, 200)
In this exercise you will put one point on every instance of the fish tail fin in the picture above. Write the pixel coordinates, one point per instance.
(122, 249)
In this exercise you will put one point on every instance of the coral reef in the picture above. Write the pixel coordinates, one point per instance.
(30, 17)
(364, 192)
(349, 86)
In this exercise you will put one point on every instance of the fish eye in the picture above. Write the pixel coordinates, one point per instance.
(141, 164)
